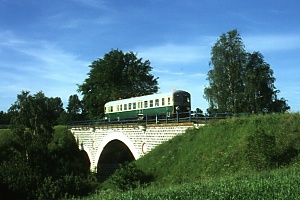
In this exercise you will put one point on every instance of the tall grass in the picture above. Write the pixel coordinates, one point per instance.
(279, 184)
(228, 147)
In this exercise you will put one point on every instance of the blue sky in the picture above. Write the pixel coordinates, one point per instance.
(48, 45)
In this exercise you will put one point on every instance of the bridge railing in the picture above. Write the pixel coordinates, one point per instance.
(198, 118)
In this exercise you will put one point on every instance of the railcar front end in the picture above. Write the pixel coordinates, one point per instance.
(181, 102)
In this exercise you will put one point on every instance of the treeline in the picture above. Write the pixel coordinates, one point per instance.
(74, 111)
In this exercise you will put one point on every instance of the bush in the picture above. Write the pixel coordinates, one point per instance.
(18, 180)
(129, 177)
(66, 187)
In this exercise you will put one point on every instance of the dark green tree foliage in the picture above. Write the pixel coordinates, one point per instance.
(65, 155)
(37, 113)
(260, 92)
(75, 110)
(116, 75)
(240, 81)
(226, 85)
(4, 119)
(32, 121)
(57, 106)
(34, 158)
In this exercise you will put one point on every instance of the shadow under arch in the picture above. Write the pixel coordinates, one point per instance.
(85, 160)
(86, 156)
(115, 149)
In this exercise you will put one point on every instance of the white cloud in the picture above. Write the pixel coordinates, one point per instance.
(52, 62)
(176, 53)
(181, 66)
(198, 75)
(41, 66)
(164, 71)
(272, 42)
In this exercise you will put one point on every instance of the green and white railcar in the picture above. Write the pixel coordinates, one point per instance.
(155, 104)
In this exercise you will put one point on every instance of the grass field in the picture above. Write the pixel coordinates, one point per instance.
(4, 131)
(255, 157)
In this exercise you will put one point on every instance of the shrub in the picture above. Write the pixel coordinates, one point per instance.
(65, 187)
(129, 177)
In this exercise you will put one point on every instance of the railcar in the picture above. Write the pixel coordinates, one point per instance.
(150, 105)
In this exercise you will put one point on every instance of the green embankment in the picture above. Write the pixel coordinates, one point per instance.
(230, 147)
(255, 157)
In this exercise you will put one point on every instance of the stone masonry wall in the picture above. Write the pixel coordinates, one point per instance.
(139, 139)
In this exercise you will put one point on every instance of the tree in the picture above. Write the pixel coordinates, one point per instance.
(4, 118)
(225, 79)
(117, 75)
(37, 162)
(240, 81)
(57, 106)
(260, 91)
(33, 119)
(35, 115)
(75, 110)
(65, 155)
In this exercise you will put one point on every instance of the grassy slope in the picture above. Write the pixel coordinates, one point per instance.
(220, 149)
(213, 162)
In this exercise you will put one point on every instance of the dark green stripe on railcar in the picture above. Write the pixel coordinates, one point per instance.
(145, 111)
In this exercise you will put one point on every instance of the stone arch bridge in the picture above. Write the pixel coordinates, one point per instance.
(107, 146)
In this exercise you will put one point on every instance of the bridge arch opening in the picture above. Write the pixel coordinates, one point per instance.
(114, 153)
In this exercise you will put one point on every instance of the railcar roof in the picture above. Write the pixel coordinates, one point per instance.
(141, 98)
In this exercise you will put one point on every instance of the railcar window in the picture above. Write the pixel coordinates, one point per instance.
(169, 100)
(151, 103)
(156, 102)
(125, 106)
(118, 107)
(163, 101)
(140, 104)
(121, 108)
(134, 106)
(109, 109)
(129, 106)
(145, 104)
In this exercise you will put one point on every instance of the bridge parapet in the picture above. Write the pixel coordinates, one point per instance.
(140, 139)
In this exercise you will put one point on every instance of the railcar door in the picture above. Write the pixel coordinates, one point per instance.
(140, 113)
